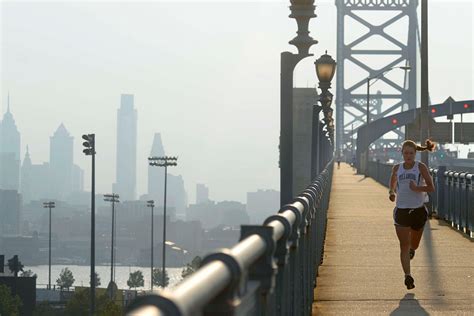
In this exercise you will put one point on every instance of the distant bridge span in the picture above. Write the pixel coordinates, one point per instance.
(378, 128)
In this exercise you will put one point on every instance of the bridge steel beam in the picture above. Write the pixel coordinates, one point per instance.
(378, 128)
(348, 109)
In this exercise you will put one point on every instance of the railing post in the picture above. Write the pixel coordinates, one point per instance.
(281, 258)
(263, 271)
(470, 204)
(440, 191)
(228, 301)
(292, 269)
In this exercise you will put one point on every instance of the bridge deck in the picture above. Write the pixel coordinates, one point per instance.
(361, 273)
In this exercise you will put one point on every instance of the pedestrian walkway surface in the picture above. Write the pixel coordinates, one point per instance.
(361, 273)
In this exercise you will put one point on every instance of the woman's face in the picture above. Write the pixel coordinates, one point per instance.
(409, 154)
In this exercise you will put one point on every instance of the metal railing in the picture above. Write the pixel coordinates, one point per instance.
(271, 271)
(452, 200)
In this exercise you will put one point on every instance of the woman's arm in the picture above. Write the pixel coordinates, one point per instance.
(429, 187)
(393, 183)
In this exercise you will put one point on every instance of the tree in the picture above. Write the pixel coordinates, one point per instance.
(158, 277)
(28, 273)
(78, 305)
(66, 279)
(135, 279)
(9, 304)
(97, 279)
(191, 267)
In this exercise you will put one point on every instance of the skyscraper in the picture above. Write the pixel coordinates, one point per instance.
(9, 152)
(156, 175)
(61, 163)
(126, 166)
(202, 193)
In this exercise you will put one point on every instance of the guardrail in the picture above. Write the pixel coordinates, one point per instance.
(452, 200)
(271, 271)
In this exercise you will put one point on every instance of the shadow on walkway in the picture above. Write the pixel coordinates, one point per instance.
(409, 305)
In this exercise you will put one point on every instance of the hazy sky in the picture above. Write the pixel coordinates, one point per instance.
(204, 74)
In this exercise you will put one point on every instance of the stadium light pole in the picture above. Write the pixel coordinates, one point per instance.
(49, 205)
(166, 162)
(113, 198)
(151, 204)
(89, 145)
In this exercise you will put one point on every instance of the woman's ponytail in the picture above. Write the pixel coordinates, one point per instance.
(430, 145)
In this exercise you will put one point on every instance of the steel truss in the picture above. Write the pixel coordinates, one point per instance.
(351, 104)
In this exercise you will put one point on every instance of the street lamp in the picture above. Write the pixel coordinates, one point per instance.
(325, 67)
(163, 162)
(49, 205)
(113, 198)
(89, 145)
(151, 204)
(375, 78)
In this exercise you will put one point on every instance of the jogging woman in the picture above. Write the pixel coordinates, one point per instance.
(409, 183)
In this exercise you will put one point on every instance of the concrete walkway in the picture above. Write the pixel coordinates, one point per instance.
(361, 273)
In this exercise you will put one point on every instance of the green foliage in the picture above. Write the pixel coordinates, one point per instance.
(111, 309)
(135, 279)
(9, 304)
(28, 273)
(45, 309)
(79, 305)
(191, 267)
(97, 280)
(158, 277)
(66, 279)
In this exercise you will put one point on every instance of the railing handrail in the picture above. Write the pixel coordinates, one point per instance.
(224, 269)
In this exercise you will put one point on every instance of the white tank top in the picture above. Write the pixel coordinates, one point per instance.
(406, 197)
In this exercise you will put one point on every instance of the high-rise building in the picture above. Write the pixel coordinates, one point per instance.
(176, 195)
(156, 175)
(10, 202)
(9, 152)
(262, 204)
(61, 164)
(202, 193)
(126, 167)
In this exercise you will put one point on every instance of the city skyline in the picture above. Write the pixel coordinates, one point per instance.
(195, 93)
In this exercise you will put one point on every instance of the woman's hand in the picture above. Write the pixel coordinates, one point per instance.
(392, 197)
(413, 186)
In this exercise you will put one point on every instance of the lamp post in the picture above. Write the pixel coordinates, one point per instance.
(368, 80)
(89, 150)
(325, 69)
(151, 204)
(163, 162)
(49, 205)
(302, 11)
(113, 198)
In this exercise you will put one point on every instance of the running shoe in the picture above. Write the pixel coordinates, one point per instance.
(409, 282)
(412, 253)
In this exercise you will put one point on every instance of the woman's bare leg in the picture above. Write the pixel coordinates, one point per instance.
(403, 234)
(415, 238)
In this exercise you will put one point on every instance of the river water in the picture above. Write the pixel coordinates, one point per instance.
(81, 275)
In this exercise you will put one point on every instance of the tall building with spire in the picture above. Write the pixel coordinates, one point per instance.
(126, 166)
(35, 180)
(156, 175)
(9, 152)
(61, 152)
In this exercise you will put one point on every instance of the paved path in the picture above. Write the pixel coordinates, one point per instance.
(361, 273)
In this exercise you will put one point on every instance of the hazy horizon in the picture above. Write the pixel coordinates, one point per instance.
(205, 75)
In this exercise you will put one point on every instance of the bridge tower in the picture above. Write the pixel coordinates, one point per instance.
(369, 42)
